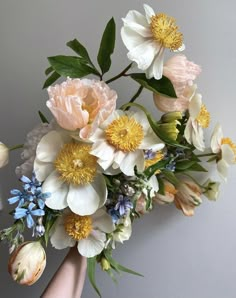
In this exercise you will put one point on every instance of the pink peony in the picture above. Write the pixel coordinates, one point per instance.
(182, 73)
(81, 104)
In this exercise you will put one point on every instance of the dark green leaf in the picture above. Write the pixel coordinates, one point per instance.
(162, 86)
(170, 176)
(150, 171)
(184, 165)
(49, 70)
(212, 159)
(69, 66)
(161, 186)
(79, 49)
(197, 168)
(51, 79)
(107, 46)
(42, 117)
(91, 263)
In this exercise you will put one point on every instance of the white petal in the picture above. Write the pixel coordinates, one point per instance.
(50, 145)
(42, 169)
(156, 68)
(144, 54)
(227, 154)
(103, 221)
(135, 17)
(150, 140)
(131, 38)
(195, 105)
(188, 131)
(216, 138)
(222, 168)
(99, 184)
(154, 184)
(103, 150)
(97, 135)
(141, 118)
(131, 159)
(58, 190)
(149, 12)
(93, 245)
(83, 200)
(119, 156)
(198, 136)
(59, 238)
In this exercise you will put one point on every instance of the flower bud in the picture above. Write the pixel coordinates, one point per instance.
(105, 264)
(170, 129)
(4, 155)
(27, 263)
(171, 116)
(212, 189)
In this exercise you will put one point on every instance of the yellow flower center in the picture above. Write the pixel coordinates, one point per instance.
(75, 165)
(124, 134)
(149, 162)
(203, 117)
(165, 31)
(78, 227)
(232, 145)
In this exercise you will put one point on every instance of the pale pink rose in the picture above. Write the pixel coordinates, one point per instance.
(188, 196)
(182, 73)
(81, 104)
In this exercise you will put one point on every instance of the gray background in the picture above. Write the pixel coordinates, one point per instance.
(179, 257)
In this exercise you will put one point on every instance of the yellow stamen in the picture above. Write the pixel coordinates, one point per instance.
(165, 31)
(75, 165)
(232, 145)
(203, 117)
(78, 227)
(124, 134)
(149, 162)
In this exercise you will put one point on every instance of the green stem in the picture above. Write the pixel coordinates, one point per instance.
(136, 95)
(20, 146)
(207, 154)
(123, 73)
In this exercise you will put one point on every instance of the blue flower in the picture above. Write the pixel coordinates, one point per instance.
(20, 197)
(32, 185)
(28, 213)
(149, 154)
(123, 205)
(115, 215)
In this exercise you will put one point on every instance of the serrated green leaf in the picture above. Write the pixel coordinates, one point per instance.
(162, 86)
(79, 49)
(91, 264)
(49, 70)
(51, 79)
(42, 117)
(107, 46)
(69, 66)
(184, 165)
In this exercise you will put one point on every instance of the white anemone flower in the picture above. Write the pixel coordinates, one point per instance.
(199, 118)
(147, 36)
(89, 232)
(225, 149)
(120, 142)
(69, 173)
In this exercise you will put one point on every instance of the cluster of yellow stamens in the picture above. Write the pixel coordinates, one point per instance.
(203, 117)
(124, 133)
(232, 145)
(75, 165)
(166, 32)
(78, 227)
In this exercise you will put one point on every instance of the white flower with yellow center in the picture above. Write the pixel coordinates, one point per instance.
(120, 141)
(146, 38)
(70, 174)
(225, 149)
(199, 118)
(88, 231)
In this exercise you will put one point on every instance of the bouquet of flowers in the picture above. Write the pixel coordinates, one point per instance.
(93, 169)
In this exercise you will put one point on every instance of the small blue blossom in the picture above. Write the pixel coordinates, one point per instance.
(28, 213)
(114, 214)
(20, 197)
(171, 166)
(149, 154)
(123, 205)
(180, 152)
(31, 185)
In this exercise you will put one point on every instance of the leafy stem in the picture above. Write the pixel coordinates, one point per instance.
(121, 74)
(20, 146)
(136, 95)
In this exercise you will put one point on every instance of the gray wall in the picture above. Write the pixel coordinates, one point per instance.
(179, 257)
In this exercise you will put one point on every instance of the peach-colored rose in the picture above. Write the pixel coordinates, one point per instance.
(182, 73)
(81, 104)
(188, 196)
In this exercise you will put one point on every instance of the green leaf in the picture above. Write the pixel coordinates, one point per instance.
(162, 86)
(91, 263)
(170, 176)
(51, 79)
(49, 70)
(42, 117)
(107, 46)
(184, 165)
(69, 66)
(150, 171)
(197, 168)
(161, 186)
(79, 49)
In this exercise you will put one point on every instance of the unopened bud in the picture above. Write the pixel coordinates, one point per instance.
(105, 264)
(171, 117)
